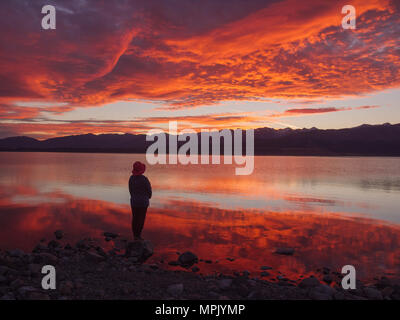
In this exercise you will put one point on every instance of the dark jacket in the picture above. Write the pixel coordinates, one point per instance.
(140, 190)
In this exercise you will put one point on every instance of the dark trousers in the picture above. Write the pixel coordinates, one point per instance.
(138, 217)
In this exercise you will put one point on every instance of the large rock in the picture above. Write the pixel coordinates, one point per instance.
(310, 282)
(316, 295)
(187, 259)
(141, 250)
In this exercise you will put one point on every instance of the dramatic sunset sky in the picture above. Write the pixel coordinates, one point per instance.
(126, 66)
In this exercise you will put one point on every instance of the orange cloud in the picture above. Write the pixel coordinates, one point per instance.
(312, 110)
(286, 49)
(52, 128)
(42, 127)
(184, 56)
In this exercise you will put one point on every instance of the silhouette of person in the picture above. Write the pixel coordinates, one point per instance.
(140, 190)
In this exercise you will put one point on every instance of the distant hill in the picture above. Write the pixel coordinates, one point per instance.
(365, 140)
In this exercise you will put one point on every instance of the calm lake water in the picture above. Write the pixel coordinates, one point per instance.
(333, 211)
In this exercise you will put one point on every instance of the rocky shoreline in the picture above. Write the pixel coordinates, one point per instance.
(86, 271)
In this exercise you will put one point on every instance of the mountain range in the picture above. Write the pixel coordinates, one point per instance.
(364, 140)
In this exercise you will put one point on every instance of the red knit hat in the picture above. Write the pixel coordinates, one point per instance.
(138, 168)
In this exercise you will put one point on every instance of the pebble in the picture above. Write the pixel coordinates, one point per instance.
(25, 290)
(315, 295)
(66, 287)
(387, 292)
(16, 253)
(110, 235)
(195, 269)
(245, 273)
(3, 270)
(175, 289)
(285, 251)
(59, 234)
(48, 258)
(327, 278)
(53, 244)
(17, 283)
(373, 293)
(325, 270)
(8, 296)
(339, 295)
(224, 283)
(39, 248)
(35, 269)
(187, 259)
(266, 268)
(37, 295)
(383, 283)
(324, 289)
(94, 257)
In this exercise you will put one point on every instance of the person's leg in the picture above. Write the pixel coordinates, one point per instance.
(142, 218)
(138, 218)
(133, 221)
